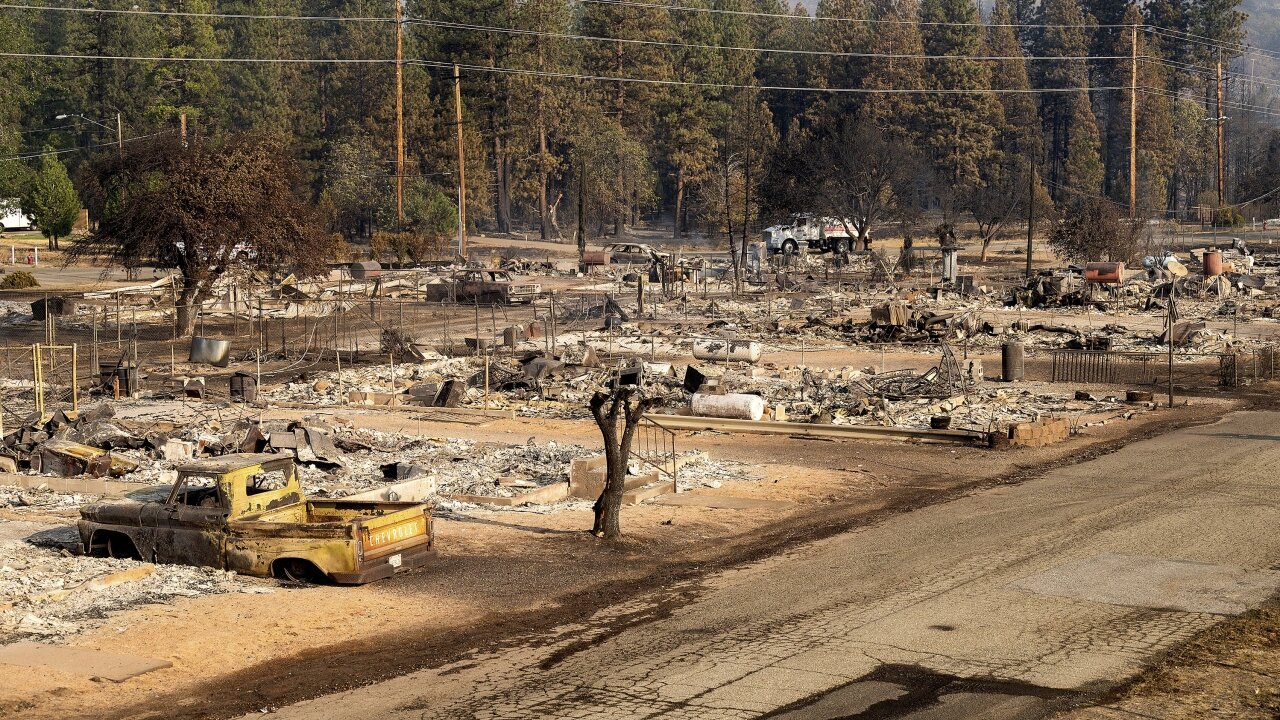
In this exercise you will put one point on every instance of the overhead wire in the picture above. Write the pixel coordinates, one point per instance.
(1227, 104)
(791, 51)
(1206, 41)
(869, 21)
(63, 151)
(624, 3)
(182, 13)
(446, 65)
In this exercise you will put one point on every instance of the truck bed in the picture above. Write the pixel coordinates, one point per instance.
(339, 512)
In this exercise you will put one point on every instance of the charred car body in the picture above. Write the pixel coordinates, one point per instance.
(247, 513)
(493, 286)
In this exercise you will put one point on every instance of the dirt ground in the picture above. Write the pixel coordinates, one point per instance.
(503, 572)
(1231, 670)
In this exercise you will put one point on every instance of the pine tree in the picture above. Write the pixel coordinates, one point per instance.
(1010, 180)
(688, 115)
(543, 105)
(896, 113)
(190, 88)
(959, 128)
(631, 106)
(1071, 129)
(52, 204)
(1154, 126)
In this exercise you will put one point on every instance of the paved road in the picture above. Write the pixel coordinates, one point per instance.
(1003, 604)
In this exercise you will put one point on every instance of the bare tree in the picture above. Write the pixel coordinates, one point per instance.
(628, 403)
(201, 208)
(861, 172)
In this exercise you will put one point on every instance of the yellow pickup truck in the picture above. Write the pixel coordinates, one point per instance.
(247, 513)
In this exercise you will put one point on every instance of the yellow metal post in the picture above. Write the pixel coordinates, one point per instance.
(75, 385)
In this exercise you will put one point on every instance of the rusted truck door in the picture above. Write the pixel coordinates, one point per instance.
(192, 527)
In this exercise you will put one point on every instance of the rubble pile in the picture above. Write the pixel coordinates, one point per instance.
(702, 472)
(40, 499)
(454, 466)
(48, 593)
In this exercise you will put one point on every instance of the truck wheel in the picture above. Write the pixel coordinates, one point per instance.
(789, 247)
(297, 570)
(121, 547)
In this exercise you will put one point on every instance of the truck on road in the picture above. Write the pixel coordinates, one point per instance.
(247, 513)
(823, 234)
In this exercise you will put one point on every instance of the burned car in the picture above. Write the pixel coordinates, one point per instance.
(493, 286)
(247, 513)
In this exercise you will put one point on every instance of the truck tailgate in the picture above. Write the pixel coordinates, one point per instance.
(384, 533)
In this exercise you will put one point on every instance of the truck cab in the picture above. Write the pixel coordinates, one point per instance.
(494, 286)
(805, 230)
(247, 513)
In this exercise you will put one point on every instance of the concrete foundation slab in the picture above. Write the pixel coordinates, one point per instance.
(1158, 583)
(79, 661)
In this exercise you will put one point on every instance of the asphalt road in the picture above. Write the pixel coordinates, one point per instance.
(1008, 603)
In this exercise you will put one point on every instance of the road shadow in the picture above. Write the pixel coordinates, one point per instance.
(1239, 436)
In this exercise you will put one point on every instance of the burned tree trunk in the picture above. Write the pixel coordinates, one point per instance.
(606, 407)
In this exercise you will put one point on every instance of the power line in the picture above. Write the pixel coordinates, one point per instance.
(628, 3)
(63, 151)
(321, 61)
(1236, 49)
(1210, 42)
(140, 58)
(177, 13)
(1208, 72)
(869, 21)
(825, 53)
(732, 86)
(1229, 104)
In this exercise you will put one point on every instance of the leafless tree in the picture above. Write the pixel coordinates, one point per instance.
(862, 173)
(628, 403)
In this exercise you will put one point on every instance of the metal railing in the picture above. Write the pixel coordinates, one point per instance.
(1143, 368)
(655, 446)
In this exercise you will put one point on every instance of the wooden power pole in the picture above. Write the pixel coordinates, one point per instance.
(1222, 187)
(1031, 208)
(182, 128)
(1133, 125)
(119, 133)
(462, 165)
(399, 118)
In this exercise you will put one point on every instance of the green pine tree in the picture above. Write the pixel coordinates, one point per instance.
(959, 129)
(52, 203)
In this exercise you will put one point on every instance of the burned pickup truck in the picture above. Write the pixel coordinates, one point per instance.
(246, 513)
(493, 286)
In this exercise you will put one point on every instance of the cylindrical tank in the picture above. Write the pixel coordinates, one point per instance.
(512, 335)
(595, 257)
(536, 330)
(734, 406)
(1103, 273)
(1212, 263)
(244, 387)
(366, 270)
(1011, 364)
(727, 350)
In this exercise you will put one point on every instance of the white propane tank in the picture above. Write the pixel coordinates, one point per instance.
(737, 406)
(727, 350)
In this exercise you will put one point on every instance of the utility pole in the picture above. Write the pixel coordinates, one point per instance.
(399, 118)
(1031, 208)
(1133, 125)
(582, 211)
(182, 128)
(1222, 188)
(462, 165)
(119, 133)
